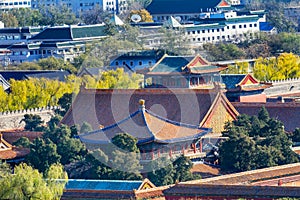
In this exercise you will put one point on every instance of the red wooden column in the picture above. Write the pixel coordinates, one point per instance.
(200, 145)
(158, 153)
(194, 147)
(152, 154)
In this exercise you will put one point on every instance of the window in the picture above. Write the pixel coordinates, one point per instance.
(245, 25)
(212, 30)
(203, 31)
(117, 63)
(233, 27)
(140, 62)
(250, 25)
(240, 26)
(131, 63)
(255, 25)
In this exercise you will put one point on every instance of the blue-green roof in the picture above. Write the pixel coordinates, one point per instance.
(121, 185)
(88, 31)
(172, 64)
(68, 33)
(181, 6)
(230, 80)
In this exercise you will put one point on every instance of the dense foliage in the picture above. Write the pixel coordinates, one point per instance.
(28, 183)
(255, 142)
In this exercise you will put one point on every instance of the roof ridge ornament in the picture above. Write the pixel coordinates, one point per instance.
(142, 105)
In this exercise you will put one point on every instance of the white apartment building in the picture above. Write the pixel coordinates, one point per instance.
(79, 6)
(218, 27)
(12, 4)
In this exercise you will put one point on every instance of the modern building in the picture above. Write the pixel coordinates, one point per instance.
(136, 60)
(183, 10)
(14, 4)
(66, 42)
(207, 27)
(81, 6)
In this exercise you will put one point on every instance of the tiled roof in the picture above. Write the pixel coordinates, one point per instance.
(205, 170)
(287, 112)
(146, 127)
(182, 6)
(242, 82)
(123, 185)
(12, 136)
(13, 153)
(106, 107)
(249, 177)
(265, 26)
(7, 151)
(68, 33)
(54, 33)
(21, 74)
(88, 31)
(172, 64)
(184, 64)
(58, 75)
(201, 191)
(231, 80)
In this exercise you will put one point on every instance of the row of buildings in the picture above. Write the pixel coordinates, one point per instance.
(76, 6)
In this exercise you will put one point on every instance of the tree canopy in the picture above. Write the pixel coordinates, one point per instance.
(255, 142)
(28, 183)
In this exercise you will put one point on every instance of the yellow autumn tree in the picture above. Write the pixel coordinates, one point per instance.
(285, 66)
(143, 13)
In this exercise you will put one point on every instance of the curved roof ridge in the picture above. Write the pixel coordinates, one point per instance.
(143, 110)
(174, 122)
(113, 125)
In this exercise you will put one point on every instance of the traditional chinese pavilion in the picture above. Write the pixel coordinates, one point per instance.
(207, 108)
(183, 72)
(156, 136)
(244, 88)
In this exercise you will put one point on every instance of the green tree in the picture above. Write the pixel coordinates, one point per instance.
(95, 16)
(125, 142)
(43, 153)
(173, 41)
(9, 20)
(255, 142)
(183, 166)
(85, 127)
(124, 160)
(4, 170)
(33, 122)
(162, 172)
(28, 183)
(296, 135)
(22, 142)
